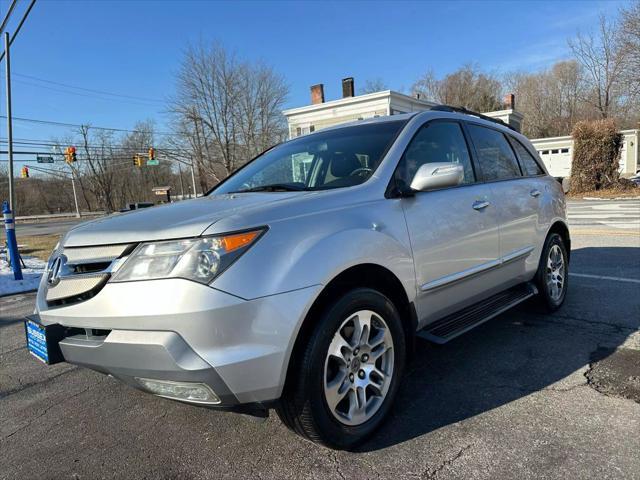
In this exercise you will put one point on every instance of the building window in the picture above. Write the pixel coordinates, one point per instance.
(312, 129)
(298, 132)
(544, 152)
(564, 150)
(554, 151)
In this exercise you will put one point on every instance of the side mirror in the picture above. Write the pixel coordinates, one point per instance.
(437, 175)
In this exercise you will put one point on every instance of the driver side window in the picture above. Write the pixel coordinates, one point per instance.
(436, 142)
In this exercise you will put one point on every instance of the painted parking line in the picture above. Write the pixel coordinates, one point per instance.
(604, 277)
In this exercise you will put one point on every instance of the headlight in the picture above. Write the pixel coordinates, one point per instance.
(199, 259)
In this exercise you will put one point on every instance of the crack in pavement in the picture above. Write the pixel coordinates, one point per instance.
(432, 473)
(25, 386)
(336, 463)
(7, 352)
(549, 319)
(44, 412)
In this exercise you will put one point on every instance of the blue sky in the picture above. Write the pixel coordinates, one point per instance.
(134, 48)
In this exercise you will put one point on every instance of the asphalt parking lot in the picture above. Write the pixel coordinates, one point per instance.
(526, 395)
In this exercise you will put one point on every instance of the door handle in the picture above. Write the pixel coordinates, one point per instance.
(480, 204)
(534, 193)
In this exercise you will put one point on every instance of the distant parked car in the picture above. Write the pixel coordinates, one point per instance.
(636, 179)
(301, 281)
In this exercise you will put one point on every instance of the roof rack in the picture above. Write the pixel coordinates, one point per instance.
(449, 108)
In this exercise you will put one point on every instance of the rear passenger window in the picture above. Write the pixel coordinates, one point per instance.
(436, 142)
(495, 155)
(527, 162)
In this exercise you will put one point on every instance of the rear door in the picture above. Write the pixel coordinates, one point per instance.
(453, 231)
(517, 202)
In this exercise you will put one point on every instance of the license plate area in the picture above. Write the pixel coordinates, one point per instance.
(43, 341)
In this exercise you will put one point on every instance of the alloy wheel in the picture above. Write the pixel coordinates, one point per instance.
(555, 273)
(358, 368)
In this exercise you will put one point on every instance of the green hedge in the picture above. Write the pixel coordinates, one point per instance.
(596, 156)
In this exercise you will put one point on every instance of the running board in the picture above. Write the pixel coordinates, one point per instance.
(443, 330)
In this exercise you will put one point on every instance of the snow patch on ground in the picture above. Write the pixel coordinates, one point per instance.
(31, 276)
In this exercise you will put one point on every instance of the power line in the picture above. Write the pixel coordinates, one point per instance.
(8, 15)
(53, 89)
(91, 90)
(45, 144)
(22, 20)
(75, 125)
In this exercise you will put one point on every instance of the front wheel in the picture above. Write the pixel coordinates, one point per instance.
(343, 382)
(552, 276)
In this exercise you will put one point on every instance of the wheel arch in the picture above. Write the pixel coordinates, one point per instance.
(365, 275)
(561, 228)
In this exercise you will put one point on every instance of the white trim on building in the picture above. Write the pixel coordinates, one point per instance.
(307, 119)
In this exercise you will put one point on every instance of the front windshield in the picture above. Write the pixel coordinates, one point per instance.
(336, 158)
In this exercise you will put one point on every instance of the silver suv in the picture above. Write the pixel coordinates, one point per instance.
(301, 282)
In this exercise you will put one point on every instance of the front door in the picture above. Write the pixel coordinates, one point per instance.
(453, 231)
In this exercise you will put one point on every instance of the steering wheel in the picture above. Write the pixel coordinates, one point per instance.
(360, 170)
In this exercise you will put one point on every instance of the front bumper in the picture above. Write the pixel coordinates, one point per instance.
(182, 331)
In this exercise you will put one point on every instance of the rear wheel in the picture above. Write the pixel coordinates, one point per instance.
(553, 273)
(343, 382)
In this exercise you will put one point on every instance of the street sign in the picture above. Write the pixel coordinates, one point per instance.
(161, 190)
(153, 162)
(44, 159)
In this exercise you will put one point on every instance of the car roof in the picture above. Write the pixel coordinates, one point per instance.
(437, 112)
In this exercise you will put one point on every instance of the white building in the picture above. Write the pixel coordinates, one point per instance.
(556, 152)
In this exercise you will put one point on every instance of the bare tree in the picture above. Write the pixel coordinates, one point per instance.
(466, 87)
(550, 100)
(227, 110)
(373, 86)
(604, 60)
(630, 42)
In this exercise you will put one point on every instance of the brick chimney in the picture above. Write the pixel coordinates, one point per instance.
(347, 87)
(510, 101)
(317, 94)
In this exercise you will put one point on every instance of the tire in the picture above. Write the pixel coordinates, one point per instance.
(549, 299)
(304, 405)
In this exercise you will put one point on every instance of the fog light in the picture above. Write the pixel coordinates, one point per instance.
(186, 391)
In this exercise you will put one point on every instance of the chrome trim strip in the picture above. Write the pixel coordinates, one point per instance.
(516, 254)
(464, 274)
(473, 271)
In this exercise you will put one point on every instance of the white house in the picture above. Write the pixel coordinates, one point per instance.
(556, 152)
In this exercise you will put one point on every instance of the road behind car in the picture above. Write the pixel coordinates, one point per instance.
(526, 395)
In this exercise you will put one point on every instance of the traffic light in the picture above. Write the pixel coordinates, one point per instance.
(137, 160)
(70, 155)
(24, 173)
(152, 153)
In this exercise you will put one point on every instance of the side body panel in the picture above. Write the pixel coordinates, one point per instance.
(454, 246)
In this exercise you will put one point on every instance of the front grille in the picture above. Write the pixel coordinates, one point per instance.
(81, 272)
(75, 285)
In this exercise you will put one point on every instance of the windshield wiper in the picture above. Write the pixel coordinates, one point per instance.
(275, 187)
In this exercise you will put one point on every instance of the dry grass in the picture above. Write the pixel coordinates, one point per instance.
(39, 246)
(606, 193)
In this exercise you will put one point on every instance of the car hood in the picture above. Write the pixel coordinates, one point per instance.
(189, 218)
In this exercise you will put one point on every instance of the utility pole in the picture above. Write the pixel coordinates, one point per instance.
(75, 195)
(193, 180)
(181, 182)
(12, 195)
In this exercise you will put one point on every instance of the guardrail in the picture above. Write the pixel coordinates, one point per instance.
(60, 215)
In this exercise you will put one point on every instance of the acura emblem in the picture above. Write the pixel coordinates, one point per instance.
(53, 277)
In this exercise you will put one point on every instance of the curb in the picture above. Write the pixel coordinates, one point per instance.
(4, 295)
(618, 199)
